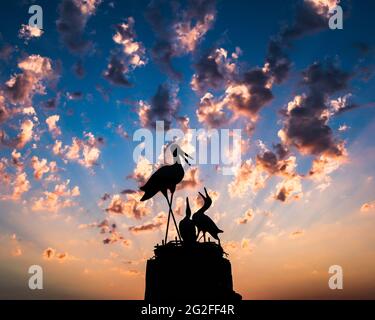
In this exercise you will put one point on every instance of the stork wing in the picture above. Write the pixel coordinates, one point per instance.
(157, 179)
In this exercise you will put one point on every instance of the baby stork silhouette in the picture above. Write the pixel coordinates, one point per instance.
(203, 222)
(187, 227)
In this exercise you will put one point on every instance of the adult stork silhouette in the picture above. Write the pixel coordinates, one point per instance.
(166, 178)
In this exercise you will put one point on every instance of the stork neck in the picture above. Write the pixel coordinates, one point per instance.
(177, 164)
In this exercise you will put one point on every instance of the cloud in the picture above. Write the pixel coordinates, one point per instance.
(297, 234)
(179, 206)
(20, 185)
(52, 254)
(131, 206)
(16, 252)
(197, 19)
(73, 151)
(28, 32)
(4, 112)
(311, 16)
(368, 207)
(190, 180)
(246, 244)
(247, 96)
(52, 125)
(214, 69)
(73, 17)
(163, 107)
(211, 112)
(182, 33)
(79, 69)
(133, 50)
(42, 167)
(131, 56)
(289, 189)
(16, 160)
(90, 151)
(247, 217)
(323, 165)
(343, 128)
(53, 201)
(114, 236)
(49, 253)
(20, 88)
(277, 163)
(248, 177)
(86, 152)
(25, 136)
(142, 171)
(184, 121)
(235, 247)
(115, 72)
(110, 230)
(277, 62)
(6, 51)
(13, 184)
(253, 177)
(246, 93)
(75, 95)
(52, 103)
(306, 121)
(155, 224)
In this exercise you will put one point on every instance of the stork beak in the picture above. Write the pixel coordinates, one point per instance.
(186, 157)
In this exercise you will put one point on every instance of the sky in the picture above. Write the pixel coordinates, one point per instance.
(73, 94)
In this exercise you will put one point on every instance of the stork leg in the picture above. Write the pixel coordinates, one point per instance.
(169, 215)
(174, 220)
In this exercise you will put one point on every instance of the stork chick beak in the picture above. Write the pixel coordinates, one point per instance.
(188, 210)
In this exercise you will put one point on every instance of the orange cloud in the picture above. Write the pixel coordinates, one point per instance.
(27, 32)
(20, 88)
(131, 207)
(368, 207)
(59, 198)
(51, 254)
(289, 189)
(42, 167)
(296, 234)
(247, 178)
(247, 217)
(155, 224)
(86, 152)
(191, 179)
(52, 125)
